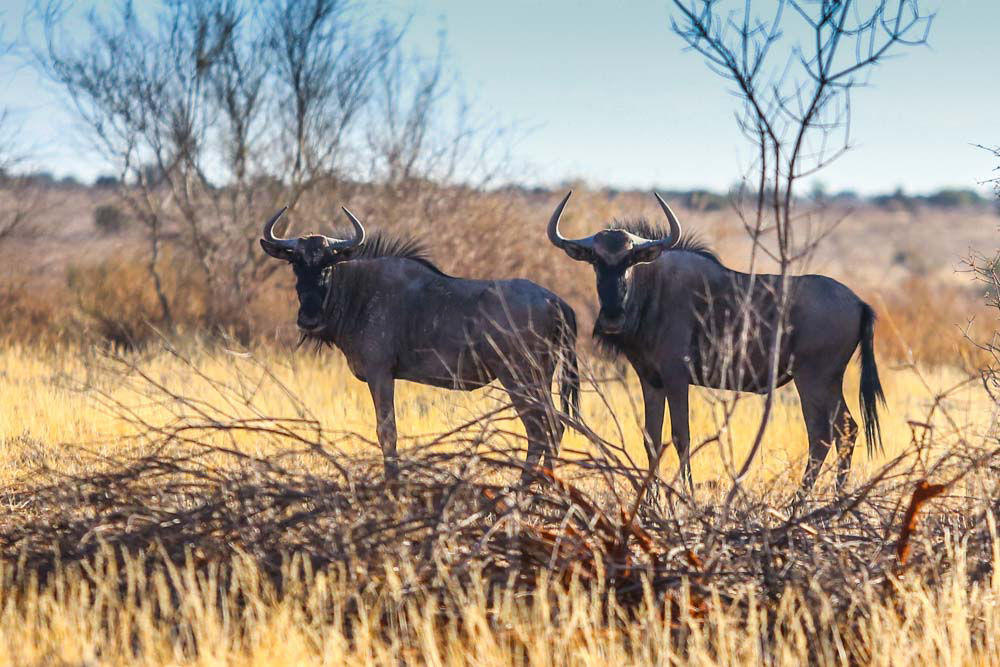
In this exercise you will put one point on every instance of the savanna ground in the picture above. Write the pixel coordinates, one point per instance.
(203, 500)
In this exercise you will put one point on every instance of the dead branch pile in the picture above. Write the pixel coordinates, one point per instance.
(452, 515)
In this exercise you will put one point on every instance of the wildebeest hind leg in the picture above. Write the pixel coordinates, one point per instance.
(822, 408)
(533, 404)
(846, 433)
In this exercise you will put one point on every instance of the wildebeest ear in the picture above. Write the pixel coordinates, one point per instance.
(276, 251)
(646, 254)
(578, 253)
(338, 256)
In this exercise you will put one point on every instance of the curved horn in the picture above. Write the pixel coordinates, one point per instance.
(554, 235)
(675, 224)
(269, 236)
(359, 234)
(558, 239)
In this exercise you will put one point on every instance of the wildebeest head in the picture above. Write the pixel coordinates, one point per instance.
(613, 253)
(311, 257)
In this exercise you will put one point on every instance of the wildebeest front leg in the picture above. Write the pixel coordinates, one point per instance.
(653, 400)
(677, 399)
(382, 388)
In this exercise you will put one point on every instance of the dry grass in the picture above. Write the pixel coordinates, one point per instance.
(86, 618)
(69, 414)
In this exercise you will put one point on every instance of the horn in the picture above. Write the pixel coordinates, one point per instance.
(675, 225)
(554, 235)
(289, 244)
(359, 234)
(558, 239)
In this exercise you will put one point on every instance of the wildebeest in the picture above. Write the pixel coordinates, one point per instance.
(680, 317)
(396, 316)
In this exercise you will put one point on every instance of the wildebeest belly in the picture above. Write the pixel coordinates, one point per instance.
(737, 366)
(754, 385)
(445, 366)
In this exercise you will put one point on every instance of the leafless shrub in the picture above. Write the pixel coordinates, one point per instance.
(923, 320)
(114, 304)
(985, 270)
(995, 181)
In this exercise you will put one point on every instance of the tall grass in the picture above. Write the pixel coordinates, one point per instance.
(86, 616)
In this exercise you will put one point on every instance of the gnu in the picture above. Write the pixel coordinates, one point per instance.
(395, 316)
(680, 318)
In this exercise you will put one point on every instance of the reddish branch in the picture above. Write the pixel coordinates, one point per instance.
(921, 494)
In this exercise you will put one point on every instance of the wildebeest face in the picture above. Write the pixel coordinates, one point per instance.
(311, 258)
(613, 253)
(312, 268)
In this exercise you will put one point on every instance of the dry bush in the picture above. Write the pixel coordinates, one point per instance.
(110, 302)
(470, 234)
(35, 314)
(927, 321)
(109, 219)
(116, 301)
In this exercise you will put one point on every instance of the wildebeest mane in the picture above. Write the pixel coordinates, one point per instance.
(612, 345)
(384, 245)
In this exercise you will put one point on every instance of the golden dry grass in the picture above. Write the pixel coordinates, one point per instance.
(51, 408)
(57, 411)
(86, 619)
(84, 615)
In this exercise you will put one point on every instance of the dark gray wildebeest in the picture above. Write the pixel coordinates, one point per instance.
(396, 316)
(669, 305)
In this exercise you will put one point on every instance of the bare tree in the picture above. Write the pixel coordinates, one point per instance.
(995, 180)
(793, 71)
(213, 113)
(18, 192)
(985, 269)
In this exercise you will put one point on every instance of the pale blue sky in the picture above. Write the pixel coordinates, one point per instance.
(603, 91)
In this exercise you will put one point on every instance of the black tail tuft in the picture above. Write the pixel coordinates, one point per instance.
(871, 388)
(569, 384)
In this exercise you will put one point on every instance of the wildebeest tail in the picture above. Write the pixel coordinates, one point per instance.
(569, 377)
(871, 388)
